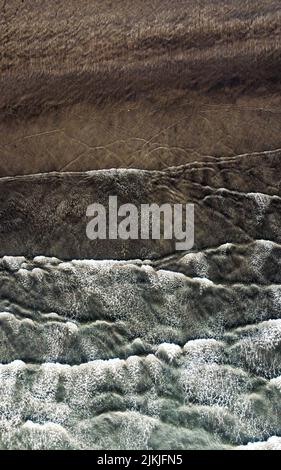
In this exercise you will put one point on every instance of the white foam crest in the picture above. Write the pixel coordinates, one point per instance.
(12, 263)
(198, 261)
(276, 382)
(260, 254)
(43, 436)
(262, 201)
(136, 430)
(168, 351)
(273, 443)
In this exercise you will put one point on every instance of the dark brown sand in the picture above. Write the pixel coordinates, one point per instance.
(101, 84)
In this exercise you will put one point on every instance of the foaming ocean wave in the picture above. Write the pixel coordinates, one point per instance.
(96, 353)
